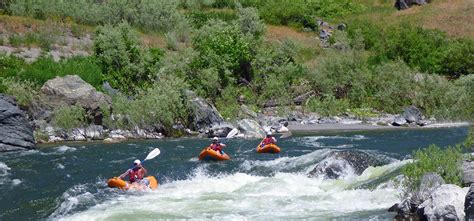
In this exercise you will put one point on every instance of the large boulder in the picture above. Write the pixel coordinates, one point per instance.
(15, 131)
(347, 162)
(446, 202)
(251, 128)
(205, 115)
(410, 115)
(469, 204)
(72, 90)
(468, 172)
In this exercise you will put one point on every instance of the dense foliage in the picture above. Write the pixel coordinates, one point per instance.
(445, 162)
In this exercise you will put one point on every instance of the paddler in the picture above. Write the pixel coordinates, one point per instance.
(136, 174)
(268, 140)
(217, 146)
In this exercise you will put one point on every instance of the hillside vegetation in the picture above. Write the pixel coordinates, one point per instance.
(266, 52)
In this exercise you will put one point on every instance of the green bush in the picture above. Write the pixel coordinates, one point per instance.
(250, 23)
(10, 65)
(223, 46)
(120, 55)
(23, 91)
(69, 117)
(200, 18)
(328, 105)
(162, 103)
(171, 41)
(227, 103)
(445, 162)
(156, 15)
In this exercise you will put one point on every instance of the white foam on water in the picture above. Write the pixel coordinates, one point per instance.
(64, 148)
(4, 173)
(16, 182)
(60, 166)
(448, 124)
(241, 196)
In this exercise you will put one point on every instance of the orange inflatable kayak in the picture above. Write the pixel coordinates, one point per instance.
(269, 148)
(124, 185)
(210, 154)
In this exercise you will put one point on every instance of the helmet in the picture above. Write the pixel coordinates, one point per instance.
(269, 133)
(137, 162)
(215, 139)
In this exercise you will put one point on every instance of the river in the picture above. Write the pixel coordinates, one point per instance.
(67, 181)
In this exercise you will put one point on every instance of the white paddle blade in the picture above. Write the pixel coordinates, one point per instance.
(286, 134)
(155, 152)
(232, 133)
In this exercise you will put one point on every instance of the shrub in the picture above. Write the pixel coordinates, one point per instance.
(250, 23)
(445, 162)
(200, 18)
(69, 117)
(223, 46)
(328, 105)
(156, 15)
(162, 103)
(171, 41)
(10, 65)
(23, 91)
(227, 103)
(119, 54)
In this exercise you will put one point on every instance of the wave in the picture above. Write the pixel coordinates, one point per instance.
(240, 196)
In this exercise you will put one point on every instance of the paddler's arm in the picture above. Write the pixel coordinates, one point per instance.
(124, 174)
(144, 171)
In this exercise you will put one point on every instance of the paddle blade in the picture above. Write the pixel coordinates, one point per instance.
(232, 133)
(286, 135)
(155, 152)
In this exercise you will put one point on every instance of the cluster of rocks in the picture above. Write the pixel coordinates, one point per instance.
(432, 200)
(15, 129)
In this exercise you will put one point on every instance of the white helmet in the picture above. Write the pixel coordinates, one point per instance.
(215, 139)
(269, 133)
(137, 162)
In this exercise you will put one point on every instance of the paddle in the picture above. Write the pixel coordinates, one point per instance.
(155, 152)
(230, 135)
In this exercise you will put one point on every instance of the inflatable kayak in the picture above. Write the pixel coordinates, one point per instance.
(148, 182)
(269, 148)
(212, 155)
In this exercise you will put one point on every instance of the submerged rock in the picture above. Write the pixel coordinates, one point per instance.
(205, 115)
(15, 131)
(347, 162)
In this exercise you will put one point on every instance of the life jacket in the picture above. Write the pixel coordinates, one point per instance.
(216, 147)
(134, 176)
(267, 140)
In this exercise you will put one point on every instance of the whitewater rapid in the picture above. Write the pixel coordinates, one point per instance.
(243, 196)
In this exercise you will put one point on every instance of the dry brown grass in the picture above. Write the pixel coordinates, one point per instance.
(455, 17)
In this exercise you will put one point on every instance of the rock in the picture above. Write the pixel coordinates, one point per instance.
(399, 121)
(15, 131)
(405, 4)
(446, 202)
(251, 128)
(347, 162)
(109, 89)
(246, 112)
(469, 204)
(220, 130)
(341, 27)
(204, 114)
(467, 172)
(404, 210)
(412, 114)
(429, 182)
(329, 120)
(72, 90)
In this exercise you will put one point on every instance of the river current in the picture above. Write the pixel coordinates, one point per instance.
(68, 181)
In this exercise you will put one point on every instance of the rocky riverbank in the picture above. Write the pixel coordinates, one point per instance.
(204, 119)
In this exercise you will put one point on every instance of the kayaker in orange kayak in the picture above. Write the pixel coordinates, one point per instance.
(268, 140)
(216, 145)
(135, 174)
